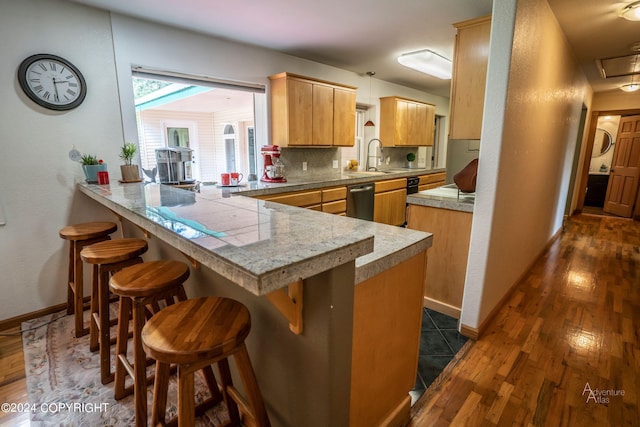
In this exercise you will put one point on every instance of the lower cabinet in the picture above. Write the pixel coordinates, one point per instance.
(390, 201)
(431, 181)
(330, 200)
(447, 266)
(387, 318)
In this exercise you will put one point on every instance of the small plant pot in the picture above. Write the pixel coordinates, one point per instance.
(130, 173)
(91, 172)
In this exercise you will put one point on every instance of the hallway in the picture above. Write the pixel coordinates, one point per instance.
(572, 324)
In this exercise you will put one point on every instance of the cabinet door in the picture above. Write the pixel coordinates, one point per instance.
(469, 78)
(402, 123)
(322, 128)
(344, 117)
(428, 117)
(390, 206)
(299, 96)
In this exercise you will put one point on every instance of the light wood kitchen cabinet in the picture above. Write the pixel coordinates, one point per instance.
(431, 181)
(471, 53)
(310, 112)
(331, 200)
(334, 200)
(390, 201)
(447, 266)
(405, 122)
(302, 199)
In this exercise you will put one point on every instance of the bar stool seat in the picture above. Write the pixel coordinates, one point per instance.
(141, 288)
(107, 257)
(79, 236)
(195, 334)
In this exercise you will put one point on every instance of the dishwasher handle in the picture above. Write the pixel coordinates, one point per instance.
(361, 189)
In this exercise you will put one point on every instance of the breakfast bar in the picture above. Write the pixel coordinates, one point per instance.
(335, 302)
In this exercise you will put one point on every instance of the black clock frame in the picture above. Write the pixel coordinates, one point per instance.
(22, 79)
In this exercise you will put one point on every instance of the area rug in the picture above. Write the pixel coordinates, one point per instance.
(63, 381)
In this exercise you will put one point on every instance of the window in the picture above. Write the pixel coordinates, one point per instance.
(229, 135)
(357, 151)
(215, 118)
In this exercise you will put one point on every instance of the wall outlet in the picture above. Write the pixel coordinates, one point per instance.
(335, 164)
(304, 166)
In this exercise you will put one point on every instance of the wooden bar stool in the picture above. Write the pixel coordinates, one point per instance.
(79, 236)
(195, 334)
(107, 258)
(141, 288)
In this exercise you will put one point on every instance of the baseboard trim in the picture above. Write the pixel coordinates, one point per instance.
(468, 331)
(400, 415)
(17, 321)
(442, 307)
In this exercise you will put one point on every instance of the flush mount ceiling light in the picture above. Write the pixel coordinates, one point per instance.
(631, 11)
(428, 62)
(632, 87)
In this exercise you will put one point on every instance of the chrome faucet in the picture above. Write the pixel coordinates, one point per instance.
(375, 167)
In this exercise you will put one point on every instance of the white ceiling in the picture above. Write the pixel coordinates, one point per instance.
(363, 36)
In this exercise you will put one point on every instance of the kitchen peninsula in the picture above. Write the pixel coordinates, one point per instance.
(356, 285)
(446, 212)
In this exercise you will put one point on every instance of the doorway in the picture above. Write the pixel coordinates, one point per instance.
(596, 182)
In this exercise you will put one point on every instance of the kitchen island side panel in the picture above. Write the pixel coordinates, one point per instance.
(305, 379)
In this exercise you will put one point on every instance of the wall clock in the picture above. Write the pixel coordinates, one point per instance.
(52, 82)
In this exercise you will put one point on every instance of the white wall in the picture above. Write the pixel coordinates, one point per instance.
(161, 47)
(37, 180)
(532, 111)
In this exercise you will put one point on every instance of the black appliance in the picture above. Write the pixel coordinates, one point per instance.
(360, 201)
(412, 184)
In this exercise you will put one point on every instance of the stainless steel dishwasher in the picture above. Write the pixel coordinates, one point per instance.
(360, 201)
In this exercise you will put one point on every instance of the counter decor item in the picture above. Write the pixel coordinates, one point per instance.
(466, 178)
(91, 165)
(411, 160)
(129, 171)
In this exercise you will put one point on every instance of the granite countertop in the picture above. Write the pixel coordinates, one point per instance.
(445, 197)
(261, 246)
(258, 188)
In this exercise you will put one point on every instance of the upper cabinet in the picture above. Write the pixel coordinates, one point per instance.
(469, 78)
(309, 112)
(405, 122)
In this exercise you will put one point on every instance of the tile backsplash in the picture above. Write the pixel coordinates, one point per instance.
(320, 161)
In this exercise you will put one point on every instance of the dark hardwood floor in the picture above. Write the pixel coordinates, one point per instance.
(572, 324)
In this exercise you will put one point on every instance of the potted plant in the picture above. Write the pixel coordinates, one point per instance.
(91, 165)
(411, 159)
(129, 171)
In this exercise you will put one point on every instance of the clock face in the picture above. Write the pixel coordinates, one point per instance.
(52, 82)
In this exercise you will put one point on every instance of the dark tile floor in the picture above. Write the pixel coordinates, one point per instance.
(439, 342)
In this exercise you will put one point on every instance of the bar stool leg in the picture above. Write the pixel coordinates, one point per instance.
(94, 341)
(124, 316)
(160, 389)
(105, 325)
(70, 279)
(227, 382)
(139, 364)
(186, 403)
(248, 377)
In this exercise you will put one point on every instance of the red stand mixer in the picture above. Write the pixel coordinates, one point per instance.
(273, 167)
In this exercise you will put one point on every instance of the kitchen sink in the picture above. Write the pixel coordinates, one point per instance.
(366, 173)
